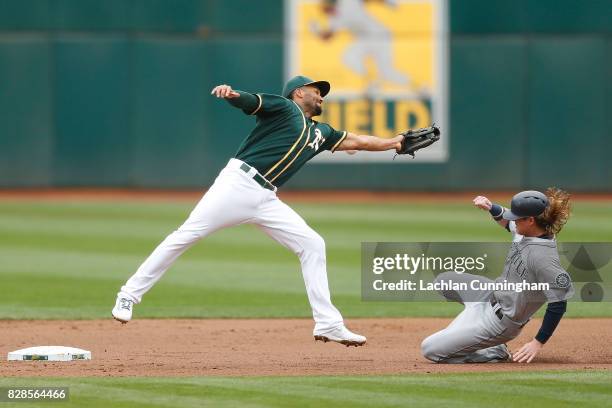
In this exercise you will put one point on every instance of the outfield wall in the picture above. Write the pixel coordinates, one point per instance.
(115, 93)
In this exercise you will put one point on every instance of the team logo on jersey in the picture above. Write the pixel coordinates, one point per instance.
(514, 261)
(563, 280)
(385, 60)
(318, 140)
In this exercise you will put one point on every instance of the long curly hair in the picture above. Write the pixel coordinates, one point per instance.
(556, 213)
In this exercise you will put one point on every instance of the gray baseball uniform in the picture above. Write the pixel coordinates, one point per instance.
(492, 318)
(533, 260)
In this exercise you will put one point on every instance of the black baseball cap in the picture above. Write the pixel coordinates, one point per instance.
(526, 204)
(300, 81)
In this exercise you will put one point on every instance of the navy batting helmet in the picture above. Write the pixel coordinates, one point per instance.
(526, 204)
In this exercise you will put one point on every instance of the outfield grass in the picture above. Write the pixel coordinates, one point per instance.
(473, 390)
(67, 260)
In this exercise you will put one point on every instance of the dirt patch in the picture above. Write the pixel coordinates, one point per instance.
(274, 347)
(349, 196)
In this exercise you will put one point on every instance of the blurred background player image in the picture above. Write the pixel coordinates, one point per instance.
(371, 39)
(492, 318)
(285, 137)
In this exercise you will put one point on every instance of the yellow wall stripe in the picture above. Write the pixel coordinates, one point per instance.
(292, 147)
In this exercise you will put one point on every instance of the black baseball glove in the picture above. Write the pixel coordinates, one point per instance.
(418, 139)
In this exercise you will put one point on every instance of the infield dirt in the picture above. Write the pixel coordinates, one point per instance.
(268, 347)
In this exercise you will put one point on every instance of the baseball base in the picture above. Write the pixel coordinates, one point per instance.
(49, 353)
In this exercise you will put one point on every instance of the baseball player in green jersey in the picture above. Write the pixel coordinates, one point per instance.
(492, 318)
(285, 137)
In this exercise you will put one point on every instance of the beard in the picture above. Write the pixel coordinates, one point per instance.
(315, 109)
(309, 105)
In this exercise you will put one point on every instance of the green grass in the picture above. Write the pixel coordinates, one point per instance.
(473, 390)
(67, 260)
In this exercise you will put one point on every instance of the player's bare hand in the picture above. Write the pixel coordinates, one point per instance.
(397, 142)
(224, 91)
(528, 352)
(483, 203)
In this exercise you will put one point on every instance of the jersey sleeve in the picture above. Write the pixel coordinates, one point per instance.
(270, 104)
(247, 102)
(552, 317)
(333, 137)
(548, 270)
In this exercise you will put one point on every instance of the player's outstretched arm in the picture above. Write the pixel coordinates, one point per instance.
(242, 100)
(354, 142)
(495, 210)
(552, 317)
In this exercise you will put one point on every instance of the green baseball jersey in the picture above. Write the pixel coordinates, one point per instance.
(284, 139)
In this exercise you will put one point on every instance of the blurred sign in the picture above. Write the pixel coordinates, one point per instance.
(386, 62)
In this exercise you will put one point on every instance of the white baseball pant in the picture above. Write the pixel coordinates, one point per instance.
(477, 334)
(235, 198)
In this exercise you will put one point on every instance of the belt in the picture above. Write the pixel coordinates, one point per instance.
(498, 312)
(500, 315)
(259, 179)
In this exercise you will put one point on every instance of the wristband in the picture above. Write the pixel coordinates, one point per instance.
(496, 211)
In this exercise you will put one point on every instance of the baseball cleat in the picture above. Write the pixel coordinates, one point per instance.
(123, 310)
(341, 335)
(506, 358)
